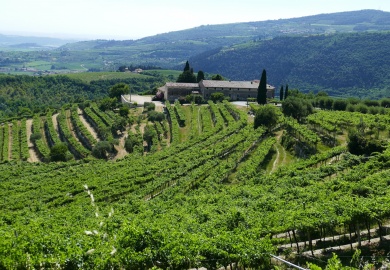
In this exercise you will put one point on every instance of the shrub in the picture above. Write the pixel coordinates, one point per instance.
(339, 105)
(124, 111)
(102, 149)
(59, 152)
(361, 108)
(154, 116)
(149, 106)
(35, 136)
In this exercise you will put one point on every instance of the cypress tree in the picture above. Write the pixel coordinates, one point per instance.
(187, 76)
(286, 92)
(187, 67)
(262, 89)
(281, 93)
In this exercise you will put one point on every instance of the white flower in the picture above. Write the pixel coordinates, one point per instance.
(90, 251)
(88, 233)
(113, 251)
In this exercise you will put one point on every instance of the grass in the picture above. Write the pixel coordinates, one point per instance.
(95, 76)
(167, 72)
(186, 130)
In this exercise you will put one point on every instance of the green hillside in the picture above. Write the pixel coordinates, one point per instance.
(171, 50)
(27, 94)
(207, 199)
(341, 64)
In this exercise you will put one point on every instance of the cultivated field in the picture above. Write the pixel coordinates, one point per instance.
(205, 189)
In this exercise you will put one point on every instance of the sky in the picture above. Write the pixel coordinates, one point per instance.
(130, 19)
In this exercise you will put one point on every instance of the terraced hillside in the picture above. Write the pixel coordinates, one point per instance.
(200, 196)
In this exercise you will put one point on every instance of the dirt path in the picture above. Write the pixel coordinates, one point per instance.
(55, 123)
(33, 155)
(10, 138)
(277, 146)
(142, 128)
(121, 151)
(87, 125)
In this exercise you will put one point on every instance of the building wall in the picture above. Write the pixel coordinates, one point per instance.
(172, 93)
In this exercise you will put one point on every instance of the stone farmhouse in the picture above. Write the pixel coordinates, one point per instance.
(236, 90)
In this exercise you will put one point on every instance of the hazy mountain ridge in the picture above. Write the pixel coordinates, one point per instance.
(235, 33)
(289, 49)
(17, 41)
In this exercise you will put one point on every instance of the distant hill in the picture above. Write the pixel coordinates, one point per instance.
(356, 64)
(308, 52)
(31, 42)
(170, 49)
(205, 37)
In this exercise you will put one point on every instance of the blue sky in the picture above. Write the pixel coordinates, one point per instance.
(130, 19)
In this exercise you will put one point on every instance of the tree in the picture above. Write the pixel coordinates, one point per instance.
(101, 149)
(186, 67)
(340, 105)
(217, 77)
(262, 89)
(118, 90)
(296, 108)
(267, 116)
(120, 124)
(281, 93)
(200, 76)
(149, 134)
(217, 96)
(124, 111)
(187, 76)
(358, 144)
(107, 103)
(59, 152)
(286, 92)
(133, 141)
(155, 116)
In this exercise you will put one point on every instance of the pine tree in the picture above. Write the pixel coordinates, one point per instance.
(281, 93)
(262, 89)
(286, 92)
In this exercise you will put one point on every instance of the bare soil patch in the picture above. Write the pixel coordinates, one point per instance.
(121, 151)
(87, 125)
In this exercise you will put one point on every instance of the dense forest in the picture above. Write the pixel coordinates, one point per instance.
(341, 64)
(27, 94)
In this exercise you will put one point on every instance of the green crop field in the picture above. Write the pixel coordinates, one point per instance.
(208, 190)
(95, 76)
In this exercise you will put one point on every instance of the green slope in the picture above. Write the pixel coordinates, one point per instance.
(342, 64)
